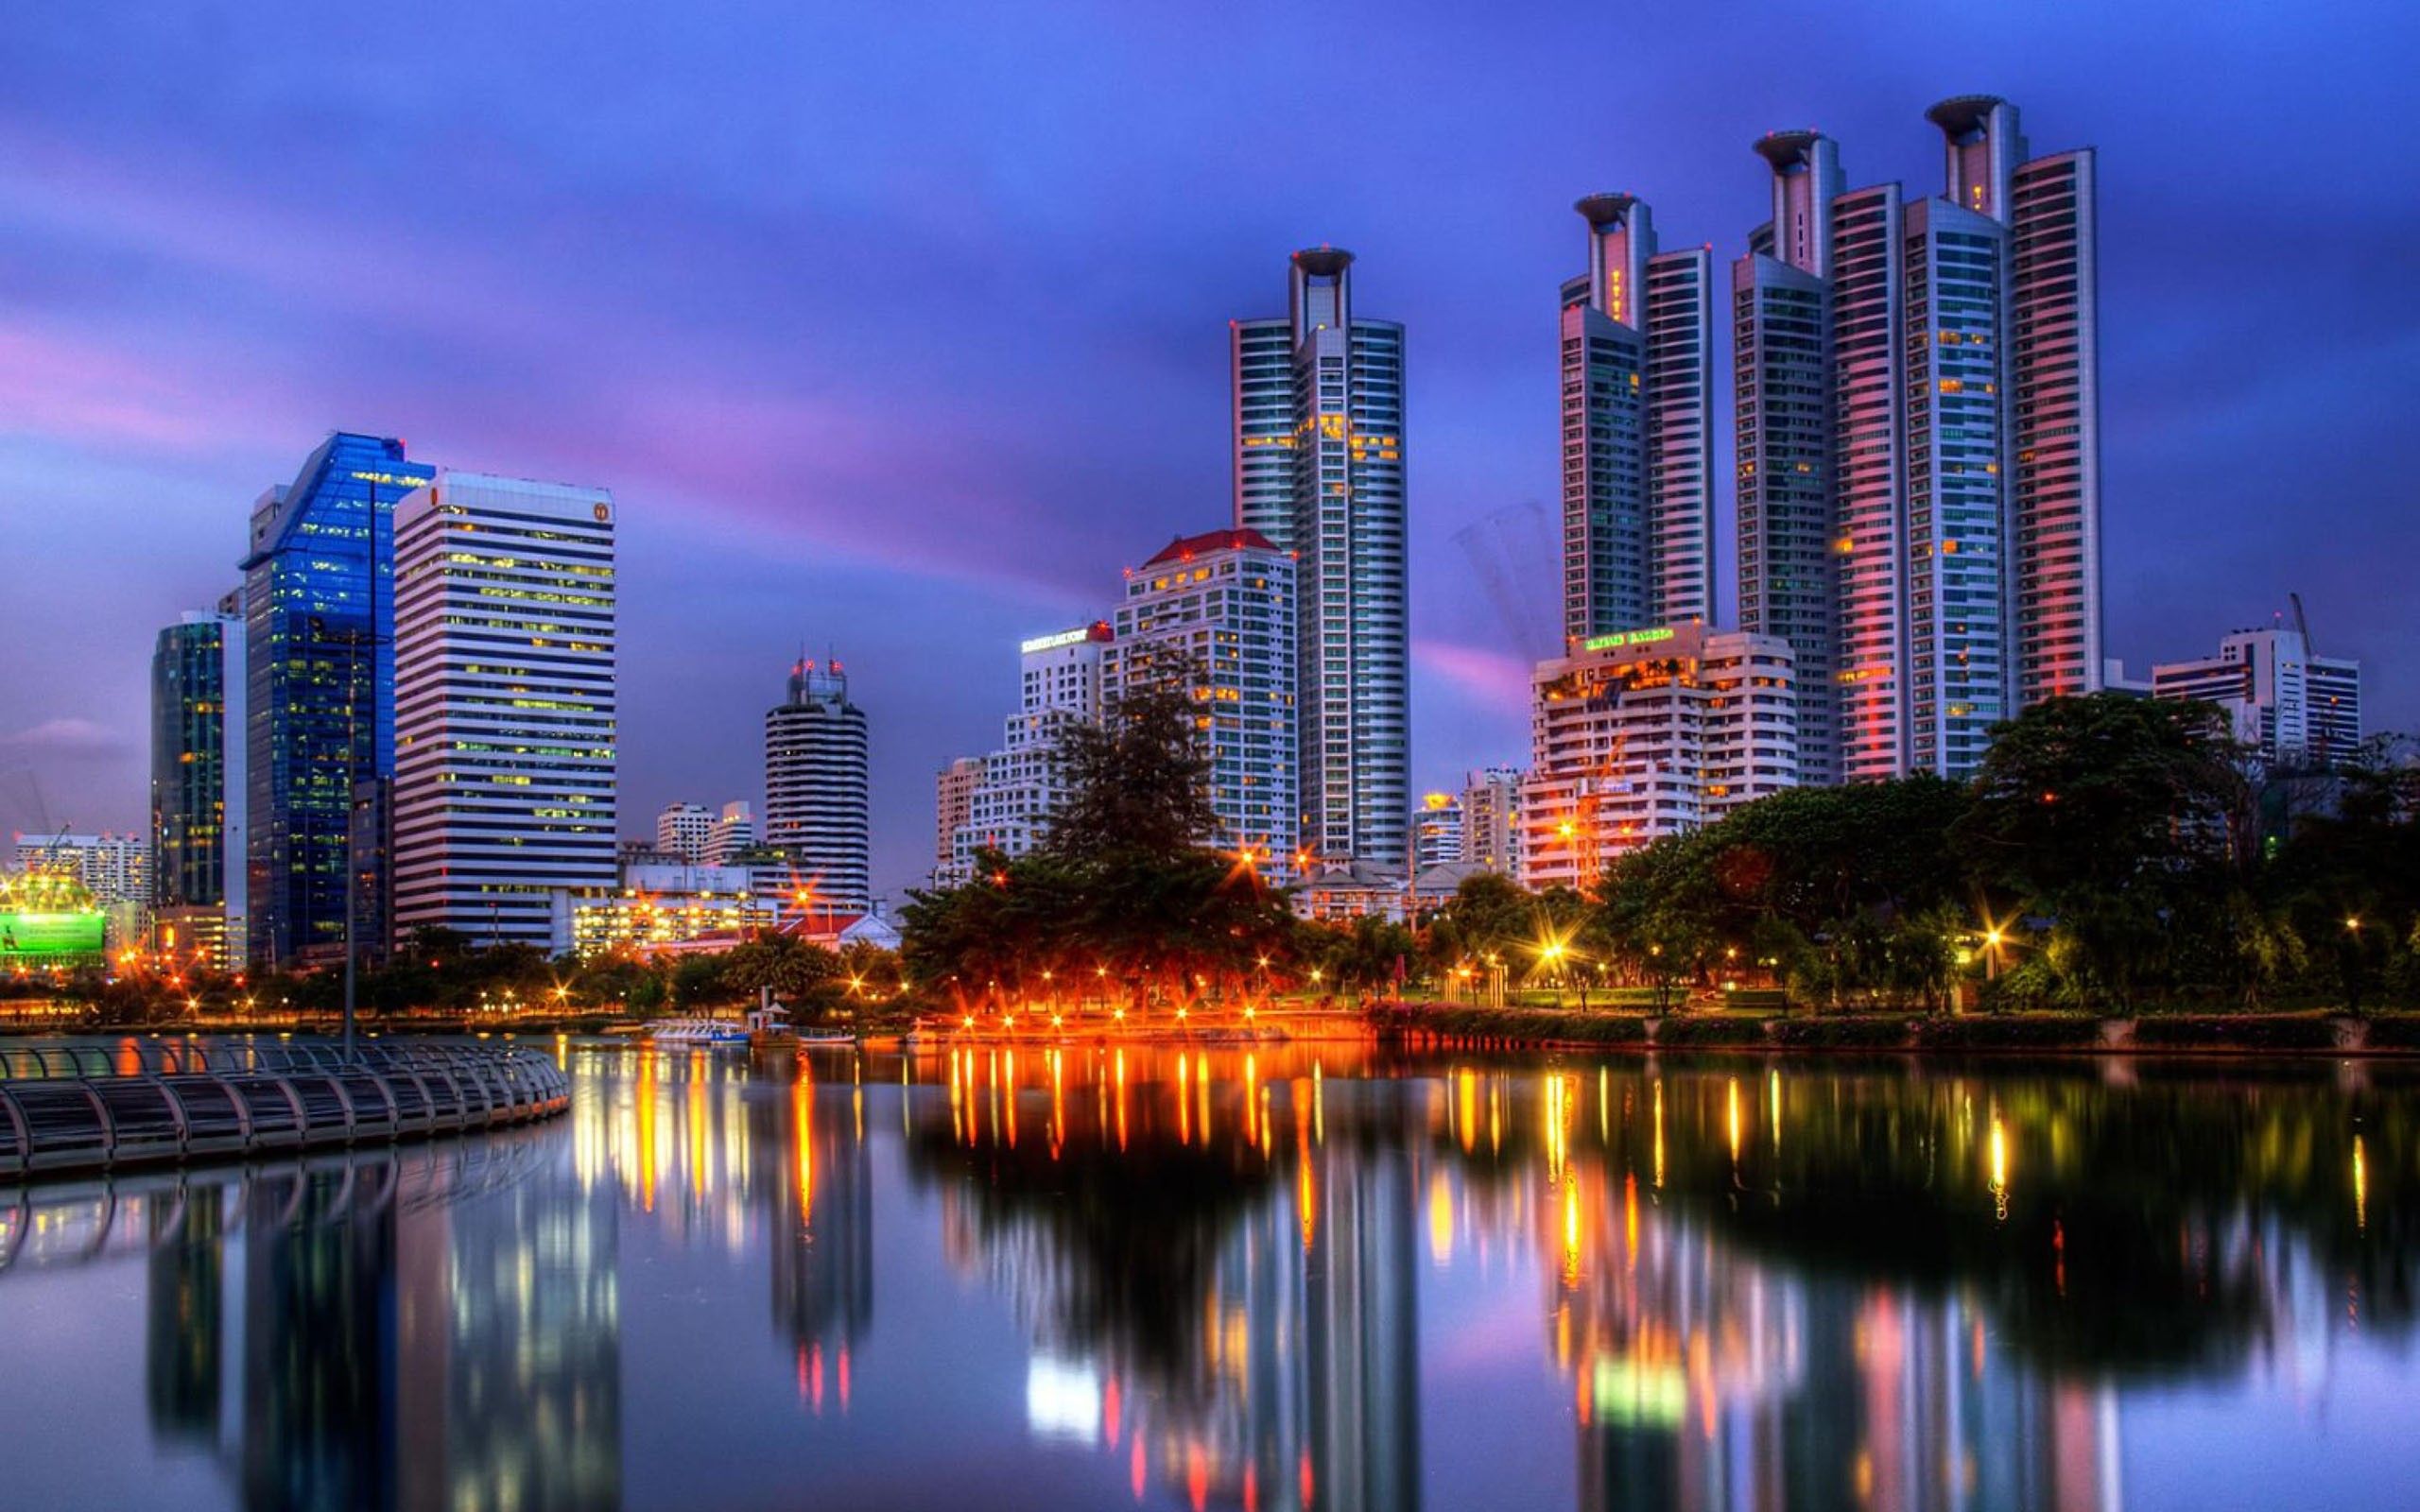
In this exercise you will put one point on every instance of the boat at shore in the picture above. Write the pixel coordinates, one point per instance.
(697, 1032)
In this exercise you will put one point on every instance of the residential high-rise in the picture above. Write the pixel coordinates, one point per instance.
(1491, 808)
(1318, 471)
(1437, 831)
(505, 704)
(953, 806)
(733, 830)
(681, 829)
(1059, 686)
(1918, 452)
(1637, 358)
(2288, 705)
(319, 675)
(1218, 611)
(1639, 734)
(197, 787)
(815, 786)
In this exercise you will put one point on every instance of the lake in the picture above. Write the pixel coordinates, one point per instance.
(1299, 1277)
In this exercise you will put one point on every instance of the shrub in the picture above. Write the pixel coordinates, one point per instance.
(1691, 1031)
(1842, 1034)
(2033, 1031)
(2235, 1031)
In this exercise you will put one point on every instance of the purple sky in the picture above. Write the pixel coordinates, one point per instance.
(902, 328)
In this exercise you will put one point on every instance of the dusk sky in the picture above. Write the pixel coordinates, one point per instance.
(899, 329)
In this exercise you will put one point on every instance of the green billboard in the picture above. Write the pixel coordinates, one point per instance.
(51, 938)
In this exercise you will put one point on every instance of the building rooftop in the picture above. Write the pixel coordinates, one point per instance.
(1184, 548)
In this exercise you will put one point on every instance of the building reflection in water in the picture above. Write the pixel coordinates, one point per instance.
(1837, 1288)
(427, 1328)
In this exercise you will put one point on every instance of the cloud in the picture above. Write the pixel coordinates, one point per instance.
(67, 737)
(1489, 677)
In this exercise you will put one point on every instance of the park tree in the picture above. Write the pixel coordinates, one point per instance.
(1139, 781)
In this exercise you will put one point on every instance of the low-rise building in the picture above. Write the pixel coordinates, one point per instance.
(1639, 734)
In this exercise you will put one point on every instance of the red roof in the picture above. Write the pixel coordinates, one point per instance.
(1184, 548)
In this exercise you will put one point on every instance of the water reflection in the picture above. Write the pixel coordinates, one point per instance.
(1286, 1279)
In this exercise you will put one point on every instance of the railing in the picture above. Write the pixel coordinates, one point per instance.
(99, 1106)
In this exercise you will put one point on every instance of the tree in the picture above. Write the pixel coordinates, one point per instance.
(2106, 813)
(1139, 781)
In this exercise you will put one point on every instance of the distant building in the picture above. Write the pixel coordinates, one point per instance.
(115, 868)
(1319, 471)
(2291, 705)
(199, 790)
(319, 648)
(1437, 830)
(681, 829)
(953, 806)
(1491, 806)
(505, 704)
(1219, 609)
(1645, 733)
(815, 805)
(733, 831)
(1059, 686)
(659, 906)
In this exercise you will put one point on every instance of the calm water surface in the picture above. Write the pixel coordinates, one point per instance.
(1092, 1279)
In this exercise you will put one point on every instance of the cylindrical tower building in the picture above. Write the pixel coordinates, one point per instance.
(815, 788)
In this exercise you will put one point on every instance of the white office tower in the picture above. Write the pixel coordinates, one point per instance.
(733, 830)
(1640, 734)
(504, 736)
(1637, 358)
(1319, 470)
(815, 788)
(1059, 686)
(681, 830)
(2291, 707)
(1491, 809)
(1918, 443)
(1219, 609)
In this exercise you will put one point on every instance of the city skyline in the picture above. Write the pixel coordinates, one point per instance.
(2224, 489)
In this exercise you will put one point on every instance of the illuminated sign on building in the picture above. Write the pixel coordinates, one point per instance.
(1097, 631)
(1621, 638)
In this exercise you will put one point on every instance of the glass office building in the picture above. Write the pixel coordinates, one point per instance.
(318, 614)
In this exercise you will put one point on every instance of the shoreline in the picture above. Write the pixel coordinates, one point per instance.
(2311, 1035)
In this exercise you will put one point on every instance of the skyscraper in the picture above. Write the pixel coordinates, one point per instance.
(815, 786)
(1217, 610)
(320, 665)
(1319, 470)
(733, 830)
(1918, 447)
(505, 704)
(953, 805)
(1637, 361)
(197, 787)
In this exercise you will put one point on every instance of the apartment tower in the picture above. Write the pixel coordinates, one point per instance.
(1319, 471)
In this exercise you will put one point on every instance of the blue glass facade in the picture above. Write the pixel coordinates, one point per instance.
(319, 612)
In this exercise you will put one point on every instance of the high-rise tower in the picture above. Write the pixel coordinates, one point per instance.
(197, 787)
(815, 788)
(1917, 430)
(1637, 357)
(505, 704)
(320, 620)
(1319, 468)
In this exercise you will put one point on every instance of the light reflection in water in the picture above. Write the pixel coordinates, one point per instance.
(1192, 1291)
